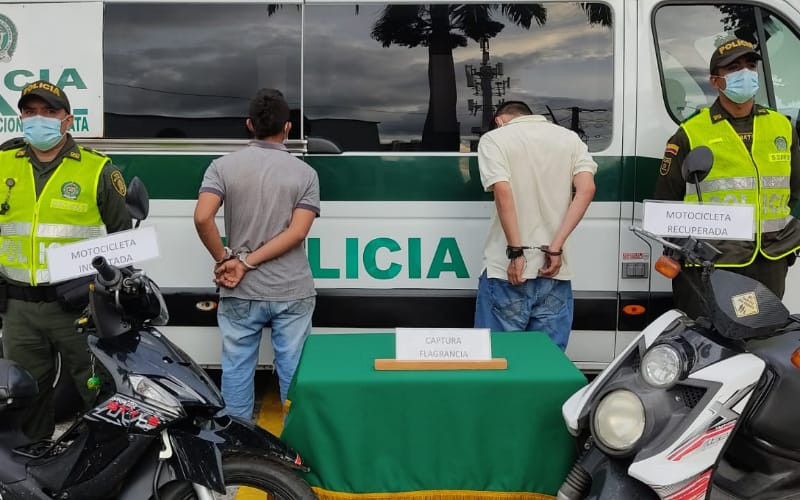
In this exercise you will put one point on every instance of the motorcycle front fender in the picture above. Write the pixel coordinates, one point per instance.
(197, 453)
(243, 436)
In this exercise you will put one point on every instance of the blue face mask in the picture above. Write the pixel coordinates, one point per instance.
(42, 132)
(741, 86)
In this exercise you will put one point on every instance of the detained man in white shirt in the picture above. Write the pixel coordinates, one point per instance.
(531, 166)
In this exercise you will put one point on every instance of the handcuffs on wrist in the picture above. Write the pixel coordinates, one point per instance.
(513, 252)
(227, 256)
(243, 259)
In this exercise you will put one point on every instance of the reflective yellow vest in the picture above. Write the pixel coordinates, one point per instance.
(66, 211)
(761, 179)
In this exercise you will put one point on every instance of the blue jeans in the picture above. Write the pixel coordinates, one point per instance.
(241, 322)
(540, 304)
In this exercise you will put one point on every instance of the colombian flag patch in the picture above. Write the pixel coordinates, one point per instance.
(672, 149)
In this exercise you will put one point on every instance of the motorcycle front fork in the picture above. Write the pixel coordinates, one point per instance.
(202, 492)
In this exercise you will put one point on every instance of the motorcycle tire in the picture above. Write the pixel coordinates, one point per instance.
(254, 475)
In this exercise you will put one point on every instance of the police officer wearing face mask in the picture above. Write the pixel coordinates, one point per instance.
(756, 161)
(52, 192)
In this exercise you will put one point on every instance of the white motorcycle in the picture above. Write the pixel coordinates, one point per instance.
(695, 409)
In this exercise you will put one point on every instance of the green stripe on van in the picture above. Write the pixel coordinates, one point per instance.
(640, 175)
(359, 178)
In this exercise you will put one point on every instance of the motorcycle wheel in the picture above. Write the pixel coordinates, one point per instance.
(250, 477)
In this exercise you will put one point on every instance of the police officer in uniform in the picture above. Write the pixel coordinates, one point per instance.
(756, 161)
(52, 191)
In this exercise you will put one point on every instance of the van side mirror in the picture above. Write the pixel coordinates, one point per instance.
(137, 200)
(697, 164)
(321, 145)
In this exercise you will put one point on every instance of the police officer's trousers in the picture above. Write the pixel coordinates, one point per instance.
(33, 332)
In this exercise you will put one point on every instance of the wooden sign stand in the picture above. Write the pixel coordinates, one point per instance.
(409, 365)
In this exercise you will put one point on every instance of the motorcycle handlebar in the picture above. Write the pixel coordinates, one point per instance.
(652, 236)
(108, 273)
(693, 250)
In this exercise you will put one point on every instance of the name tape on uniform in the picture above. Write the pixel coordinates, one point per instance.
(443, 344)
(707, 221)
(120, 249)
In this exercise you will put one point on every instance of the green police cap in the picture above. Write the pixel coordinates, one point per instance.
(729, 52)
(51, 94)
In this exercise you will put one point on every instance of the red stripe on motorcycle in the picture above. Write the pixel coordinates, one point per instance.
(694, 490)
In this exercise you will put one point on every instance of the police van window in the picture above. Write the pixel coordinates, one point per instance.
(189, 70)
(782, 48)
(418, 77)
(688, 34)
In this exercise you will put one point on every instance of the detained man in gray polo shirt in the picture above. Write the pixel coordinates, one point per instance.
(271, 199)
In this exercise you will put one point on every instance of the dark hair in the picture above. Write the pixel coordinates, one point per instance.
(513, 108)
(269, 113)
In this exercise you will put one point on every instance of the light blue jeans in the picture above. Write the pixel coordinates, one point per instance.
(541, 304)
(241, 322)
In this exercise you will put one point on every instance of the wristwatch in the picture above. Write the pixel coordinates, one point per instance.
(514, 252)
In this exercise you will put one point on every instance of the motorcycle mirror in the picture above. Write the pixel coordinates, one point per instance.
(697, 164)
(137, 200)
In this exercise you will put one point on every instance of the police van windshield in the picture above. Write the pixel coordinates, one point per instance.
(687, 35)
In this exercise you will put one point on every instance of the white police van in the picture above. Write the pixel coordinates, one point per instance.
(389, 102)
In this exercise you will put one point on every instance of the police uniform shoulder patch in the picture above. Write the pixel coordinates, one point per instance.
(666, 163)
(672, 149)
(781, 144)
(118, 182)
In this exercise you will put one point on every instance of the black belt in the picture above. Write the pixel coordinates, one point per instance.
(32, 293)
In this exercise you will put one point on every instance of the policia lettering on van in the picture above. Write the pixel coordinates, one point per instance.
(55, 192)
(756, 161)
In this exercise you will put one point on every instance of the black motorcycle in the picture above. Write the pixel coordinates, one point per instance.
(159, 431)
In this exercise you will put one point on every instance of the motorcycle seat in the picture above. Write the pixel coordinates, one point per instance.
(775, 418)
(744, 309)
(17, 385)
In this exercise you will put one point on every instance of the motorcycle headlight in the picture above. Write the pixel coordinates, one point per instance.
(662, 366)
(619, 420)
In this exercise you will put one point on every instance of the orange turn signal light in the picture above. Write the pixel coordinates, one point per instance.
(796, 358)
(668, 267)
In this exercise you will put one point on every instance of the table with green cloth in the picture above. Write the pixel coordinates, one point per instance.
(450, 434)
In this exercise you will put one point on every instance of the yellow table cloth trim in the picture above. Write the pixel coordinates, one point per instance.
(431, 495)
